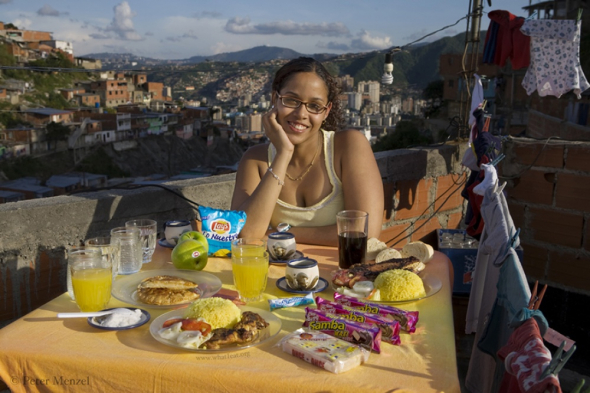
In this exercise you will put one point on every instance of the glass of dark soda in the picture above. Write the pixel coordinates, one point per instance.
(353, 228)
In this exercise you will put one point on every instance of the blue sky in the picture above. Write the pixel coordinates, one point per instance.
(178, 29)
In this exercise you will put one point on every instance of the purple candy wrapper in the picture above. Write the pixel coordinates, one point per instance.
(389, 328)
(363, 334)
(407, 319)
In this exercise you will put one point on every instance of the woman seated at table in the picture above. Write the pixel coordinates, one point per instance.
(307, 174)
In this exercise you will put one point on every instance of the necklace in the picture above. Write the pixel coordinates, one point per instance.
(310, 164)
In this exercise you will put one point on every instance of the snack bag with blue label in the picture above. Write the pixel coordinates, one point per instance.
(220, 227)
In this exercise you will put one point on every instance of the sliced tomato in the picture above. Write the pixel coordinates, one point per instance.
(193, 324)
(171, 322)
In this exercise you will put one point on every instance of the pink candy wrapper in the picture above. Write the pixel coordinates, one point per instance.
(407, 319)
(363, 334)
(389, 328)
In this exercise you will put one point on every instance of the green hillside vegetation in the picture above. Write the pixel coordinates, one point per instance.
(45, 84)
(416, 66)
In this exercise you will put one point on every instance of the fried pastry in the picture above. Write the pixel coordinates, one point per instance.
(167, 290)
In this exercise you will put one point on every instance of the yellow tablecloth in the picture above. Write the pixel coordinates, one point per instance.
(42, 353)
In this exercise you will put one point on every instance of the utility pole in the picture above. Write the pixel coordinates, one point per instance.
(469, 62)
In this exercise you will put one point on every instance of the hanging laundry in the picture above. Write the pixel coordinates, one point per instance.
(489, 49)
(493, 258)
(555, 58)
(526, 357)
(505, 41)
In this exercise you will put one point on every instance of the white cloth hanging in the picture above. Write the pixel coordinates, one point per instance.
(476, 100)
(555, 58)
(492, 251)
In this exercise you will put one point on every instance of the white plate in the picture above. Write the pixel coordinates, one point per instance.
(273, 328)
(125, 287)
(431, 286)
(145, 317)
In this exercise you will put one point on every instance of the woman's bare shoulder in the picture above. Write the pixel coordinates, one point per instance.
(257, 153)
(350, 139)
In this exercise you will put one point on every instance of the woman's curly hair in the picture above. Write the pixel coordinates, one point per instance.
(335, 120)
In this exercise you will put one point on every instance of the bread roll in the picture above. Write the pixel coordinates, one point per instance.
(374, 247)
(387, 254)
(418, 249)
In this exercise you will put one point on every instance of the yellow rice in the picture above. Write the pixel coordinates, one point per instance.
(398, 284)
(218, 312)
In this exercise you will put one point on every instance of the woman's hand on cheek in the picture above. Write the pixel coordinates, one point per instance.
(275, 132)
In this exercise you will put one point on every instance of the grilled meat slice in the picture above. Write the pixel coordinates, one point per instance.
(245, 331)
(369, 272)
(251, 321)
(224, 336)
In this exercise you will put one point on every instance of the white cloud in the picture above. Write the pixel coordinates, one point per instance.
(367, 42)
(190, 34)
(23, 23)
(47, 10)
(221, 47)
(122, 23)
(332, 46)
(239, 25)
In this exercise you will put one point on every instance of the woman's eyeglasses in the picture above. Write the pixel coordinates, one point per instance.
(312, 107)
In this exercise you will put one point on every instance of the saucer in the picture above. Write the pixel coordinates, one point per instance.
(145, 317)
(319, 287)
(164, 243)
(296, 255)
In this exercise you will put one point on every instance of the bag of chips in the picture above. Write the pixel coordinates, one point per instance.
(220, 227)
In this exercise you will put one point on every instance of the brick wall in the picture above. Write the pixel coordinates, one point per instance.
(34, 233)
(541, 125)
(549, 199)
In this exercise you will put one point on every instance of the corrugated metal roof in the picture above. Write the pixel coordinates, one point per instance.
(47, 111)
(62, 181)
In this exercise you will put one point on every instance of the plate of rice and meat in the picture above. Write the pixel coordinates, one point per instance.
(393, 281)
(215, 325)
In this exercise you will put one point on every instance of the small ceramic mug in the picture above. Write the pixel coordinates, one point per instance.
(174, 228)
(281, 246)
(302, 274)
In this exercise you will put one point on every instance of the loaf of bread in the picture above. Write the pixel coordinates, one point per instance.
(374, 247)
(388, 253)
(424, 252)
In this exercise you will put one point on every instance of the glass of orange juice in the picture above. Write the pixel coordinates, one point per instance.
(91, 276)
(249, 261)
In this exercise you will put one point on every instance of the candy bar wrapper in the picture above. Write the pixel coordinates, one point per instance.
(290, 302)
(323, 350)
(407, 319)
(364, 334)
(389, 328)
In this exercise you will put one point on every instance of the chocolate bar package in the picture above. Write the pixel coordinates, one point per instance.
(363, 334)
(407, 319)
(324, 351)
(389, 328)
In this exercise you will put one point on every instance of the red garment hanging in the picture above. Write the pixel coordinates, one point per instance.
(511, 43)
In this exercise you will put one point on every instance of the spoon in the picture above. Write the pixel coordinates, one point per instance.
(92, 314)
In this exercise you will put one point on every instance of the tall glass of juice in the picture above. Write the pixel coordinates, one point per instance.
(91, 276)
(353, 229)
(250, 268)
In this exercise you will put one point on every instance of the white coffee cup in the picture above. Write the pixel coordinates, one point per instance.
(174, 228)
(302, 274)
(281, 246)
